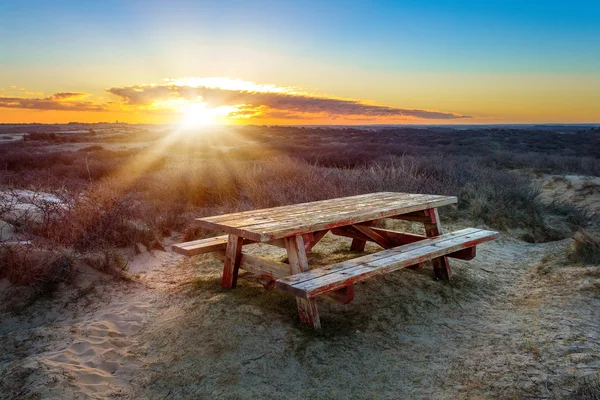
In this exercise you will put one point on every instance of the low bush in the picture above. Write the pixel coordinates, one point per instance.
(41, 269)
(585, 248)
(109, 262)
(588, 388)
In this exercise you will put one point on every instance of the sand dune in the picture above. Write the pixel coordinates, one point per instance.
(500, 327)
(517, 321)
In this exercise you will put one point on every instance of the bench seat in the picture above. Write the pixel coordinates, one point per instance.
(201, 246)
(311, 284)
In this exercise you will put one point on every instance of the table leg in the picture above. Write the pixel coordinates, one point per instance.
(307, 309)
(359, 244)
(233, 257)
(441, 266)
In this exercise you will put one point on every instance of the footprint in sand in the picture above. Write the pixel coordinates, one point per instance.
(100, 354)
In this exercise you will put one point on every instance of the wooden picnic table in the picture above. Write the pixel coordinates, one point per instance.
(298, 227)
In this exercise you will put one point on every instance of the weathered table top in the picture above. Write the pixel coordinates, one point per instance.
(297, 219)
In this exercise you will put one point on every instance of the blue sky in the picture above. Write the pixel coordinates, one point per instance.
(462, 36)
(326, 46)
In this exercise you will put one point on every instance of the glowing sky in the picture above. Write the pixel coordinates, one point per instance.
(338, 62)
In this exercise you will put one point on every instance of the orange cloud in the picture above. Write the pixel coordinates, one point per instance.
(256, 101)
(57, 102)
(233, 100)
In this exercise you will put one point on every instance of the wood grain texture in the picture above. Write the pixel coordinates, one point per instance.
(307, 309)
(201, 246)
(209, 245)
(433, 228)
(233, 255)
(280, 222)
(334, 277)
(260, 266)
(373, 235)
(393, 238)
(316, 238)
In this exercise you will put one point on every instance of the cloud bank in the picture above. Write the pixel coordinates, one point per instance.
(234, 99)
(280, 103)
(64, 101)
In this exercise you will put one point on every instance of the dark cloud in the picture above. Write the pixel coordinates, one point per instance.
(67, 95)
(57, 102)
(288, 103)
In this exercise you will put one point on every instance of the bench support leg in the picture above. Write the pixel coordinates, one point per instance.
(307, 309)
(233, 257)
(359, 244)
(313, 239)
(441, 266)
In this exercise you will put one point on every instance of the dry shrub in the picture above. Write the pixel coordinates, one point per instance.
(135, 196)
(588, 388)
(585, 248)
(107, 215)
(109, 262)
(42, 269)
(507, 200)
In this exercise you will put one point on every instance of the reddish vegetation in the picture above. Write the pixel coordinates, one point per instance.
(119, 198)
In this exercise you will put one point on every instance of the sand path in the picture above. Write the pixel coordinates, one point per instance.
(500, 329)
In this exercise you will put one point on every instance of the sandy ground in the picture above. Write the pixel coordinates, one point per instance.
(577, 189)
(516, 322)
(512, 323)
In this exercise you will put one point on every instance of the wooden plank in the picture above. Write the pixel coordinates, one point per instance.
(339, 211)
(233, 254)
(430, 246)
(381, 266)
(370, 257)
(441, 266)
(384, 253)
(316, 238)
(201, 246)
(307, 309)
(359, 239)
(238, 219)
(350, 232)
(310, 211)
(349, 219)
(325, 220)
(394, 238)
(260, 266)
(311, 285)
(269, 210)
(213, 244)
(390, 207)
(399, 238)
(466, 254)
(207, 245)
(373, 235)
(269, 271)
(418, 216)
(357, 244)
(343, 296)
(303, 207)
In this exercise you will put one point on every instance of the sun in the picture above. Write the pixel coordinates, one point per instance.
(194, 115)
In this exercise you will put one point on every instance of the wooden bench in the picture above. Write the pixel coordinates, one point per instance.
(201, 246)
(311, 284)
(298, 227)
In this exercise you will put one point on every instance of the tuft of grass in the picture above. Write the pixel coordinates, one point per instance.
(39, 270)
(588, 388)
(585, 248)
(109, 262)
(22, 266)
